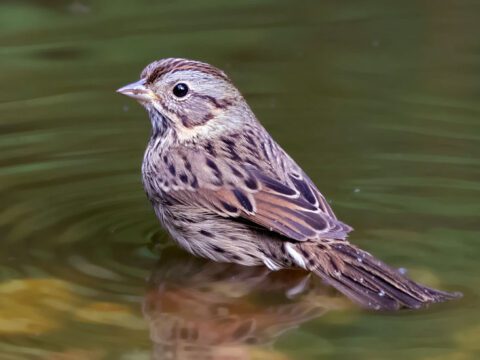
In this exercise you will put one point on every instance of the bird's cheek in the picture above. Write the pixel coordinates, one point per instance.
(197, 114)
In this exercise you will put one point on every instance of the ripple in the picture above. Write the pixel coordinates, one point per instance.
(389, 113)
(77, 215)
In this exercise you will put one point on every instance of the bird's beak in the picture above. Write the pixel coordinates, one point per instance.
(137, 91)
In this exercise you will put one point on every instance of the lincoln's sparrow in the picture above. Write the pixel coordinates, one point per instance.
(225, 190)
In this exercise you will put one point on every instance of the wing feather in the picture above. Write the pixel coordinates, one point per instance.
(287, 203)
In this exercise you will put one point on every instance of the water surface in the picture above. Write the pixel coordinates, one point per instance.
(379, 103)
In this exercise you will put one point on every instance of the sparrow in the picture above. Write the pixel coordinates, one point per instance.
(226, 191)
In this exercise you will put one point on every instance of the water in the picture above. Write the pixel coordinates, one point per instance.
(377, 101)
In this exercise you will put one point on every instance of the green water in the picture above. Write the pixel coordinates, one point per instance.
(377, 100)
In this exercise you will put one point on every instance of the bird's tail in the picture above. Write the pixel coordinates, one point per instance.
(363, 278)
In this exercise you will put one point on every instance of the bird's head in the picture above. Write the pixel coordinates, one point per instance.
(192, 98)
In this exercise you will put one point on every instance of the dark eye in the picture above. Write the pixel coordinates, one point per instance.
(180, 90)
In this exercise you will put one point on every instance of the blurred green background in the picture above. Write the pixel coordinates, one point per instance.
(377, 100)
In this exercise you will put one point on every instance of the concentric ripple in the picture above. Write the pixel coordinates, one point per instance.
(75, 215)
(75, 226)
(378, 103)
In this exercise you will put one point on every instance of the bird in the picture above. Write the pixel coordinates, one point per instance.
(225, 190)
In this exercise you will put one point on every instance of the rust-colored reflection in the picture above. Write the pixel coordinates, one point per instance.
(204, 310)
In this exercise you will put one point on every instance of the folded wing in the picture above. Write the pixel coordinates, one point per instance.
(291, 206)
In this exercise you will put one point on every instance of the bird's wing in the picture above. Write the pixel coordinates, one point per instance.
(231, 187)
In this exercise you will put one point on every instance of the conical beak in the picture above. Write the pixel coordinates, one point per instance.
(137, 91)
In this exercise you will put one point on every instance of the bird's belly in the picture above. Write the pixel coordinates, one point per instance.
(211, 236)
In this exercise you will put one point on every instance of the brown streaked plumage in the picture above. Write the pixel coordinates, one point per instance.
(158, 68)
(226, 191)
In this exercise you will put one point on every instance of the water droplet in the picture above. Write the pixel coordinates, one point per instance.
(362, 280)
(359, 259)
(337, 273)
(79, 8)
(381, 293)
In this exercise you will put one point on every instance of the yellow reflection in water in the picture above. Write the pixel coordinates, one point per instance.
(32, 306)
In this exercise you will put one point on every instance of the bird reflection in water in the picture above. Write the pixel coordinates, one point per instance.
(204, 310)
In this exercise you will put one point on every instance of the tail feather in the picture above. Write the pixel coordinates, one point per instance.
(365, 279)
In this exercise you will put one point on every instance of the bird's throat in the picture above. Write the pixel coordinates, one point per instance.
(160, 123)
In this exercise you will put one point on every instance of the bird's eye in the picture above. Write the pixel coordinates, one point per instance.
(180, 90)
